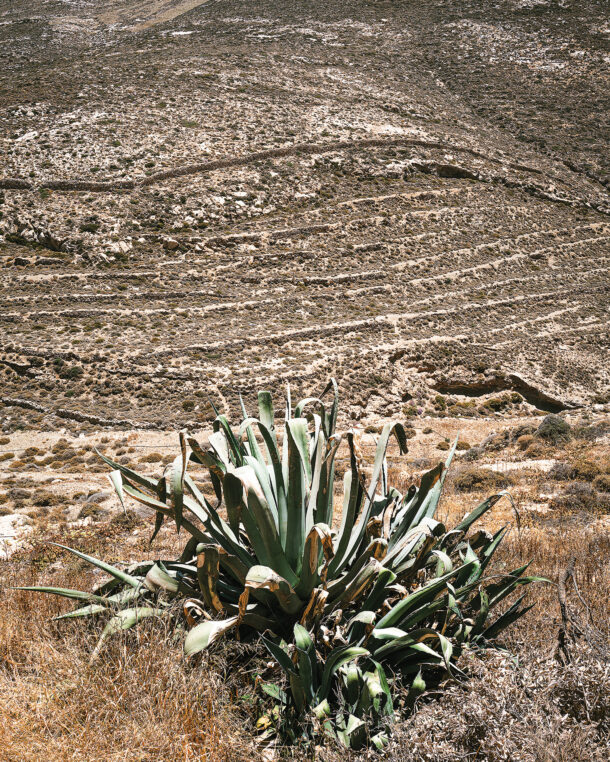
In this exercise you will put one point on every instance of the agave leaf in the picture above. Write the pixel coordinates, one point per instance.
(265, 578)
(482, 613)
(382, 445)
(353, 685)
(264, 488)
(352, 500)
(276, 693)
(427, 495)
(64, 592)
(208, 561)
(125, 596)
(486, 554)
(266, 413)
(317, 460)
(159, 515)
(335, 660)
(124, 620)
(204, 634)
(280, 655)
(318, 539)
(479, 511)
(503, 621)
(323, 513)
(380, 741)
(209, 458)
(322, 712)
(160, 507)
(220, 447)
(297, 475)
(330, 416)
(236, 452)
(307, 661)
(444, 565)
(425, 594)
(176, 484)
(117, 482)
(388, 708)
(379, 591)
(140, 479)
(112, 570)
(245, 427)
(358, 533)
(158, 577)
(300, 406)
(418, 686)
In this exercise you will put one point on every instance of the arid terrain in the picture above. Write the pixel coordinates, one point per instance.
(203, 199)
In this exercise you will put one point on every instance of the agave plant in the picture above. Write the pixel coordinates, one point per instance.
(389, 586)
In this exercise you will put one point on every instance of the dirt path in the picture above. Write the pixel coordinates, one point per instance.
(148, 13)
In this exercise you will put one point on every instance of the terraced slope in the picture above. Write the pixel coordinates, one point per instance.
(233, 200)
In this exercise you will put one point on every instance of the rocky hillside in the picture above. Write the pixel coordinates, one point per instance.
(201, 198)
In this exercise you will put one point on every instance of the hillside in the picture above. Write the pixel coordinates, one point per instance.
(212, 197)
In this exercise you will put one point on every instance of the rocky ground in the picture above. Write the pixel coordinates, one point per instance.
(206, 198)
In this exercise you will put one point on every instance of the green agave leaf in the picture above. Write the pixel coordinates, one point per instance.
(298, 477)
(159, 578)
(300, 406)
(319, 540)
(125, 596)
(280, 655)
(246, 427)
(352, 500)
(276, 693)
(112, 570)
(415, 600)
(308, 662)
(143, 481)
(323, 513)
(64, 592)
(265, 578)
(335, 660)
(176, 481)
(330, 416)
(266, 413)
(418, 686)
(475, 515)
(124, 620)
(388, 708)
(235, 449)
(204, 634)
(117, 482)
(503, 621)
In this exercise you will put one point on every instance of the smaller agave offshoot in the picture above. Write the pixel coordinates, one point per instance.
(387, 596)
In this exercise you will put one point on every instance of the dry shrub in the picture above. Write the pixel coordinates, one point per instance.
(506, 713)
(524, 441)
(601, 483)
(471, 479)
(151, 457)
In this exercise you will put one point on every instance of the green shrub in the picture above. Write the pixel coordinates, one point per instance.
(554, 430)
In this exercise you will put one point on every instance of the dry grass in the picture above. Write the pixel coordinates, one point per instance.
(139, 701)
